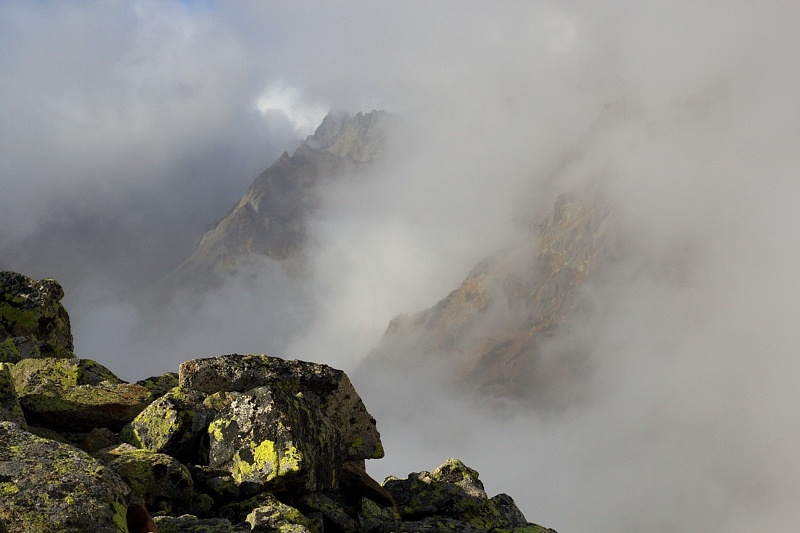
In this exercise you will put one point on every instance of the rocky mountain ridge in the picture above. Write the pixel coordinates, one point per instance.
(489, 330)
(270, 218)
(230, 443)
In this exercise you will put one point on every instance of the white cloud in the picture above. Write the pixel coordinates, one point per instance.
(303, 114)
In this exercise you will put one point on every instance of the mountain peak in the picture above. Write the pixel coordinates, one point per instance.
(359, 137)
(270, 218)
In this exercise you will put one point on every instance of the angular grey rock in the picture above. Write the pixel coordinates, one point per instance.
(76, 394)
(32, 374)
(160, 385)
(174, 424)
(274, 515)
(450, 495)
(47, 486)
(327, 389)
(32, 320)
(157, 479)
(270, 440)
(332, 511)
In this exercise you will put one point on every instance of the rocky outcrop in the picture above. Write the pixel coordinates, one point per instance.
(33, 323)
(76, 394)
(323, 388)
(238, 443)
(490, 329)
(270, 219)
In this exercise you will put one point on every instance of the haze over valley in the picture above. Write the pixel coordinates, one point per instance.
(553, 239)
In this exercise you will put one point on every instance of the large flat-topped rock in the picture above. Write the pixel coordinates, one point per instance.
(321, 386)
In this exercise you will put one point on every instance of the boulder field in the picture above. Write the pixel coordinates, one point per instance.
(231, 443)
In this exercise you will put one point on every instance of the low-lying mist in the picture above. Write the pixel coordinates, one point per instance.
(682, 413)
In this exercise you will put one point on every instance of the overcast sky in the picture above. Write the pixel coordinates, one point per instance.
(127, 128)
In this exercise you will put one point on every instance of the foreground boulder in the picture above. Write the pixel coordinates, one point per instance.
(268, 423)
(48, 486)
(325, 389)
(76, 395)
(33, 323)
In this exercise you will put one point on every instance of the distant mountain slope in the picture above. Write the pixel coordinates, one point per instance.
(490, 329)
(270, 219)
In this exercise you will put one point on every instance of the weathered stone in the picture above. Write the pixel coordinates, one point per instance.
(75, 394)
(31, 312)
(452, 498)
(48, 486)
(10, 410)
(174, 424)
(50, 434)
(17, 348)
(372, 518)
(505, 506)
(437, 524)
(84, 407)
(97, 439)
(236, 510)
(327, 388)
(202, 504)
(333, 513)
(32, 374)
(193, 524)
(157, 479)
(216, 482)
(273, 515)
(451, 486)
(160, 385)
(270, 440)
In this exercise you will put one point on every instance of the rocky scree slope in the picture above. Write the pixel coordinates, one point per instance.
(231, 443)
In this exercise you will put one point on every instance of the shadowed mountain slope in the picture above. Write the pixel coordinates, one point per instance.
(270, 219)
(490, 329)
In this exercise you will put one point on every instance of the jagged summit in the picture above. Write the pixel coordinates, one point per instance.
(359, 137)
(270, 219)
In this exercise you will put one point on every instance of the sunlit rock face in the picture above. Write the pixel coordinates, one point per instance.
(270, 219)
(489, 330)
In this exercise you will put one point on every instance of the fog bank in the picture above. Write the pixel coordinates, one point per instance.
(127, 128)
